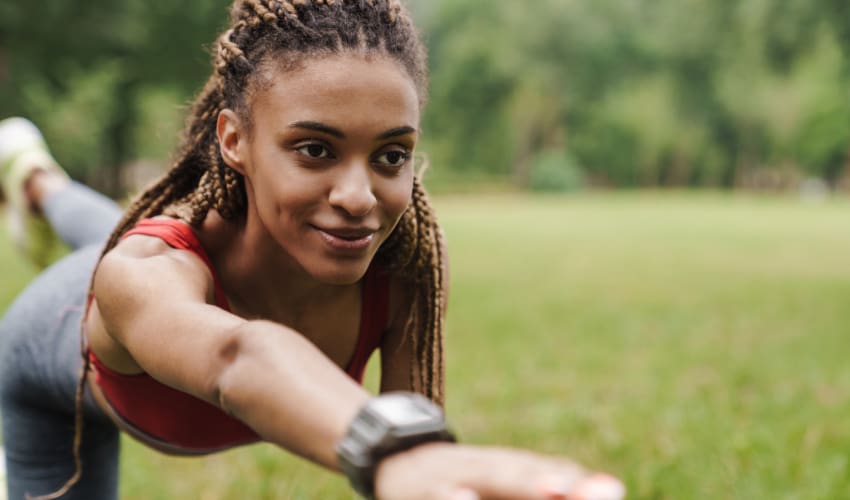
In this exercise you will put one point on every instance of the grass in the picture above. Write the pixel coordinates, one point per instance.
(695, 345)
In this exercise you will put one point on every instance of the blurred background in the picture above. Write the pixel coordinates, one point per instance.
(550, 95)
(646, 208)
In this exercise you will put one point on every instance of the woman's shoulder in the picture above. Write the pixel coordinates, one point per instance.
(148, 259)
(156, 239)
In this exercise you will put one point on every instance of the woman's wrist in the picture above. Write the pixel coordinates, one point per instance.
(386, 425)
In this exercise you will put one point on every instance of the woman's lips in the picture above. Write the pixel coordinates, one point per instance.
(348, 240)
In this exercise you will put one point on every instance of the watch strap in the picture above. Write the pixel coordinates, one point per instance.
(375, 433)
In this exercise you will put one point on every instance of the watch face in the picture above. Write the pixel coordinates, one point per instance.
(403, 411)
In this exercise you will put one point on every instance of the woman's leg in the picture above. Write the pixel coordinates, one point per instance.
(42, 200)
(40, 364)
(80, 215)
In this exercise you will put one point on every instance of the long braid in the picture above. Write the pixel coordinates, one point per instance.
(286, 31)
(415, 251)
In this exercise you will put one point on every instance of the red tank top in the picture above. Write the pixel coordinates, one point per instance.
(185, 423)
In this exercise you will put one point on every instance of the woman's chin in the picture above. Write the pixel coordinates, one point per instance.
(340, 274)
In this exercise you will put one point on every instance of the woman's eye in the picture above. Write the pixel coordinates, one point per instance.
(395, 158)
(314, 151)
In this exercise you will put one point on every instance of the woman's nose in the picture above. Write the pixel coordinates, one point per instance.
(352, 190)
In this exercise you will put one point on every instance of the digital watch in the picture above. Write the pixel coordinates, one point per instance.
(387, 424)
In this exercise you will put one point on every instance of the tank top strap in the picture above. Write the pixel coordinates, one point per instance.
(374, 312)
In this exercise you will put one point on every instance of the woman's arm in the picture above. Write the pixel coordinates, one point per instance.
(153, 302)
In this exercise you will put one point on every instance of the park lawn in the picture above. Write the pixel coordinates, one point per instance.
(693, 344)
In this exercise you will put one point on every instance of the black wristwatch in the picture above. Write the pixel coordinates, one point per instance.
(387, 424)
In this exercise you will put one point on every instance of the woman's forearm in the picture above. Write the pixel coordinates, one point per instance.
(289, 392)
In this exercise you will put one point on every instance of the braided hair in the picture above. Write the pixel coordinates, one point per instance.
(285, 33)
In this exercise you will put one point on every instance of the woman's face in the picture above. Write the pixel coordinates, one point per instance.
(328, 160)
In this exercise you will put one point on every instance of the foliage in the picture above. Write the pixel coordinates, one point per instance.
(661, 93)
(83, 70)
(555, 171)
(74, 119)
(639, 92)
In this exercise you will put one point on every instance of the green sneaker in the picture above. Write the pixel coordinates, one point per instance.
(22, 152)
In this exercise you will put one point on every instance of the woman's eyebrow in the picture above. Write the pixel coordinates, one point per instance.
(318, 127)
(339, 134)
(396, 132)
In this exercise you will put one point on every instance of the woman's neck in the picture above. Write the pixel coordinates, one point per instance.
(257, 275)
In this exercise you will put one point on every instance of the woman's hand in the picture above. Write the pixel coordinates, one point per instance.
(458, 472)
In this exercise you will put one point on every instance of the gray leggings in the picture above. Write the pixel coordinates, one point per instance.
(40, 363)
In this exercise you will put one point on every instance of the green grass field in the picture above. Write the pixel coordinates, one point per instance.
(695, 345)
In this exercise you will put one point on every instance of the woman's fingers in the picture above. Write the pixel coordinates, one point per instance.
(597, 487)
(465, 494)
(457, 472)
(555, 486)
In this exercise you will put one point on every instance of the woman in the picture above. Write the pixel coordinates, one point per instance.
(239, 298)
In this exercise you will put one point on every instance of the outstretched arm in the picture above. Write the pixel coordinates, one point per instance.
(153, 304)
(281, 385)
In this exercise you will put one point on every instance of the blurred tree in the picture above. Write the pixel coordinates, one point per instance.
(78, 68)
(632, 92)
(662, 92)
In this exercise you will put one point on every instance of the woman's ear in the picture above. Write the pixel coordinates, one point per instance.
(232, 137)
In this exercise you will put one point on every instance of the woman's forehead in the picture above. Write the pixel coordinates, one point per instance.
(340, 86)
